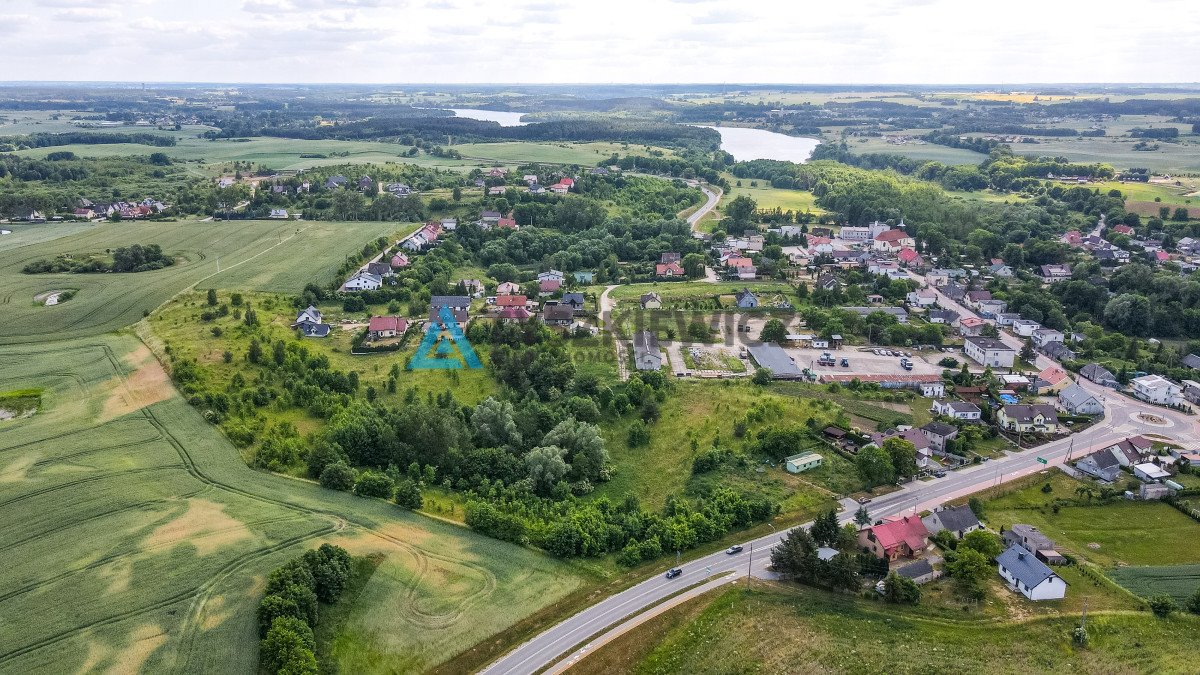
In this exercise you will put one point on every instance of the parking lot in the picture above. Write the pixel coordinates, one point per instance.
(861, 363)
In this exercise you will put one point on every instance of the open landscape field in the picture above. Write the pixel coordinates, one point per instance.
(287, 154)
(251, 255)
(136, 539)
(1170, 157)
(768, 197)
(776, 628)
(919, 151)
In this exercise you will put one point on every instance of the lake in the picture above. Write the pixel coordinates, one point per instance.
(748, 144)
(506, 119)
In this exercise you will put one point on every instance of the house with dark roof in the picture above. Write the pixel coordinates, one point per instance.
(1057, 351)
(318, 330)
(939, 434)
(557, 315)
(457, 304)
(1038, 417)
(381, 268)
(1028, 537)
(311, 315)
(955, 292)
(959, 410)
(1102, 465)
(1075, 400)
(1099, 374)
(1192, 361)
(573, 300)
(651, 301)
(958, 520)
(646, 352)
(900, 538)
(335, 182)
(827, 282)
(918, 572)
(947, 317)
(746, 299)
(1027, 575)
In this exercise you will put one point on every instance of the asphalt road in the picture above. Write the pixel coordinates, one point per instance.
(617, 613)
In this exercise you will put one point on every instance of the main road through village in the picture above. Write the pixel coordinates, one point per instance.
(562, 645)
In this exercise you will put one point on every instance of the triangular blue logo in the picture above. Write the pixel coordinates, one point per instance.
(439, 351)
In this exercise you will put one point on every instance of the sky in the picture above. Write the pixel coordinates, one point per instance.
(602, 41)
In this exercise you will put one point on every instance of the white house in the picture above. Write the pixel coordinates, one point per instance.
(278, 214)
(1147, 471)
(959, 520)
(989, 352)
(1077, 401)
(1025, 327)
(959, 410)
(1156, 389)
(364, 281)
(926, 297)
(1044, 336)
(1024, 573)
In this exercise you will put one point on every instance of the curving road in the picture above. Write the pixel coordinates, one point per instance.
(578, 635)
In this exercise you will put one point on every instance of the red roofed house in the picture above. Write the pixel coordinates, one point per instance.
(85, 213)
(514, 314)
(909, 257)
(971, 325)
(1052, 380)
(1073, 238)
(386, 327)
(900, 538)
(399, 260)
(548, 286)
(893, 241)
(1122, 229)
(507, 288)
(510, 301)
(672, 269)
(1161, 256)
(508, 224)
(735, 261)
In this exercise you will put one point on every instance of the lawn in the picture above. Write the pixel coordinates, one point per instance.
(136, 539)
(768, 197)
(775, 629)
(698, 413)
(1118, 533)
(250, 255)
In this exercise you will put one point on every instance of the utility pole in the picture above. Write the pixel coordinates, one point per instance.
(749, 564)
(1083, 619)
(1070, 449)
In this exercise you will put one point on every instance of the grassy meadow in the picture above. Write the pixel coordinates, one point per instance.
(777, 628)
(136, 539)
(924, 152)
(252, 255)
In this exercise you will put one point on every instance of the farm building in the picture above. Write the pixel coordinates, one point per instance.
(803, 462)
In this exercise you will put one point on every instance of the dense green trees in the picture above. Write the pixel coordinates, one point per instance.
(288, 612)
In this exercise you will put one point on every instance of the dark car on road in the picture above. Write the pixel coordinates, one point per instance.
(736, 548)
(674, 572)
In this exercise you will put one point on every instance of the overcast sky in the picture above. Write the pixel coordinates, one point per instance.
(661, 41)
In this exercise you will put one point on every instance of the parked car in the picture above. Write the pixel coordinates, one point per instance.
(674, 572)
(864, 500)
(939, 474)
(845, 362)
(736, 548)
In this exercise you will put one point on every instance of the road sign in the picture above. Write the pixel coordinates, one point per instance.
(1042, 460)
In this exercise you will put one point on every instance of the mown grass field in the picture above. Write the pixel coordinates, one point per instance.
(136, 539)
(1123, 532)
(777, 629)
(252, 255)
(699, 413)
(1170, 157)
(768, 197)
(931, 152)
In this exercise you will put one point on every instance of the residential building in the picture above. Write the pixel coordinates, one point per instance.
(803, 462)
(1191, 391)
(1057, 351)
(573, 300)
(310, 323)
(511, 301)
(1102, 465)
(508, 288)
(1192, 361)
(1075, 400)
(1027, 575)
(651, 301)
(925, 297)
(827, 282)
(381, 327)
(584, 277)
(938, 435)
(854, 234)
(973, 298)
(918, 571)
(278, 214)
(459, 306)
(364, 281)
(1025, 327)
(399, 260)
(1006, 319)
(1054, 273)
(953, 291)
(646, 353)
(948, 317)
(1035, 418)
(892, 241)
(908, 257)
(900, 538)
(915, 436)
(381, 269)
(513, 314)
(668, 270)
(1028, 537)
(1044, 336)
(551, 275)
(989, 352)
(548, 286)
(1052, 380)
(958, 520)
(1156, 389)
(746, 299)
(971, 326)
(557, 315)
(989, 309)
(959, 410)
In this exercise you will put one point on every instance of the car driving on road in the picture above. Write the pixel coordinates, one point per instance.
(674, 572)
(736, 548)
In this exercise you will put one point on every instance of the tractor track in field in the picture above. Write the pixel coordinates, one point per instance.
(203, 589)
(59, 459)
(114, 557)
(84, 481)
(67, 434)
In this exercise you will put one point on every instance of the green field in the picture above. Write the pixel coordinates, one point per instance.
(1170, 157)
(775, 629)
(251, 255)
(767, 197)
(1118, 533)
(284, 154)
(924, 152)
(1177, 581)
(136, 539)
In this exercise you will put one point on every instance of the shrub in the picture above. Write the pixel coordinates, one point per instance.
(286, 636)
(1162, 605)
(338, 476)
(408, 495)
(374, 484)
(329, 566)
(761, 376)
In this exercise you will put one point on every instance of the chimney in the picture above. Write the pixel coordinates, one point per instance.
(1020, 556)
